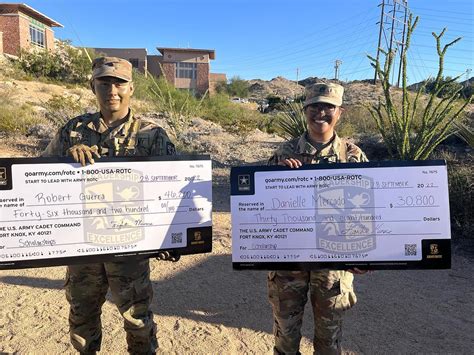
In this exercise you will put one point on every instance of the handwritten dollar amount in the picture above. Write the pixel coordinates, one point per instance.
(414, 200)
(174, 195)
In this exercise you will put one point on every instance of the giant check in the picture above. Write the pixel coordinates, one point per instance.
(54, 212)
(378, 215)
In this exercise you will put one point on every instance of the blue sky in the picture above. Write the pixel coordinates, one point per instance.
(268, 38)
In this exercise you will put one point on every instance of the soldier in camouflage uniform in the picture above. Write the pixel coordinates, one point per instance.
(114, 131)
(331, 291)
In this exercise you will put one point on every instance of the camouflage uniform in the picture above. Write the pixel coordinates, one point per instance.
(331, 291)
(129, 280)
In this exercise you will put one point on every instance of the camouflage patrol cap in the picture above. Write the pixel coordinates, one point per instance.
(324, 92)
(112, 66)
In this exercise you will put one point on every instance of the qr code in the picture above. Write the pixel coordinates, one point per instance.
(176, 238)
(410, 249)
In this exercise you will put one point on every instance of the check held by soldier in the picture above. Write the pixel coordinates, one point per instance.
(113, 131)
(331, 291)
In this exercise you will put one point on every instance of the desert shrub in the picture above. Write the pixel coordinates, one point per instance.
(356, 120)
(179, 106)
(142, 85)
(291, 121)
(238, 87)
(235, 87)
(66, 64)
(60, 109)
(461, 192)
(269, 123)
(275, 103)
(233, 117)
(461, 199)
(465, 132)
(18, 119)
(221, 87)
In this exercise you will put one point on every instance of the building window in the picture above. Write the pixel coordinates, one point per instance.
(134, 62)
(37, 36)
(186, 70)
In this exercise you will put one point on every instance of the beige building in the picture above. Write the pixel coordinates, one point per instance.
(136, 56)
(184, 68)
(187, 68)
(22, 27)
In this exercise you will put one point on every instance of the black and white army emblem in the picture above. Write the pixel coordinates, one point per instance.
(244, 182)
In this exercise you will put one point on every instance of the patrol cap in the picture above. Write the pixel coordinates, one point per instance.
(112, 66)
(329, 93)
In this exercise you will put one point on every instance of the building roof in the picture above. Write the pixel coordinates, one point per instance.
(6, 8)
(211, 52)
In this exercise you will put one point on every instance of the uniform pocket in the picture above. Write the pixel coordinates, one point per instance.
(347, 297)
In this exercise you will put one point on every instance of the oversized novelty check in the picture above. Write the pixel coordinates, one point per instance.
(55, 212)
(378, 215)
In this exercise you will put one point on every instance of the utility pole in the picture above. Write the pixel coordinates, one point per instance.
(336, 67)
(390, 23)
(380, 37)
(402, 44)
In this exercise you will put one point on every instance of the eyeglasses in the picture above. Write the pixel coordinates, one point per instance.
(314, 109)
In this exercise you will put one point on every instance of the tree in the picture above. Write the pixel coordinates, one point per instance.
(404, 139)
(238, 87)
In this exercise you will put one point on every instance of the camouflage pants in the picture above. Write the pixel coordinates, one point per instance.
(132, 293)
(331, 293)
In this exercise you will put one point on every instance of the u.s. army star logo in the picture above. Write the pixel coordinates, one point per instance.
(244, 182)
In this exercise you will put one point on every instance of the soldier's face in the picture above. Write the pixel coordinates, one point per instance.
(321, 119)
(112, 93)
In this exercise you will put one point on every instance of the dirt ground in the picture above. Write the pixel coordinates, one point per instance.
(202, 306)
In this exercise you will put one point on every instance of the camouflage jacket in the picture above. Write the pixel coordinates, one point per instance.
(136, 136)
(338, 151)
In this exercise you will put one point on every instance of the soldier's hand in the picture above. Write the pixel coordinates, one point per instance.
(291, 162)
(83, 154)
(168, 256)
